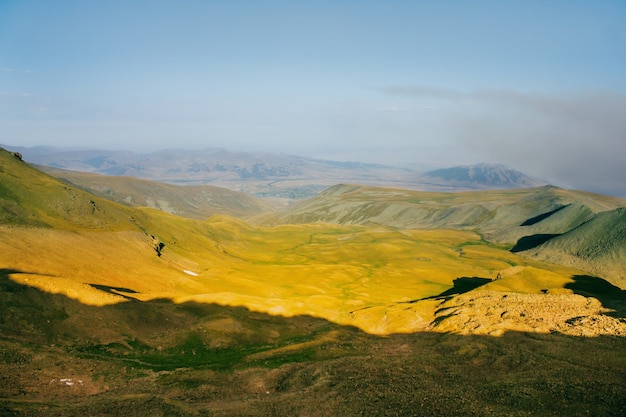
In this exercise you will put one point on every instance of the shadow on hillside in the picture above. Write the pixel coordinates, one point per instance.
(611, 296)
(532, 241)
(6, 284)
(460, 286)
(537, 219)
(198, 335)
(161, 358)
(119, 291)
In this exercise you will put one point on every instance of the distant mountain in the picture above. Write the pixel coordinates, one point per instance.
(264, 175)
(193, 201)
(272, 176)
(483, 176)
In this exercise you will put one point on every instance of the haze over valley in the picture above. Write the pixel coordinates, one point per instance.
(270, 208)
(279, 179)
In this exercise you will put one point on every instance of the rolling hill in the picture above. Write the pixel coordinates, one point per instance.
(520, 219)
(278, 178)
(193, 201)
(501, 216)
(29, 197)
(112, 309)
(597, 246)
(365, 260)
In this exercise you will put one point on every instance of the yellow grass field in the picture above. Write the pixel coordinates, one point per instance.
(369, 277)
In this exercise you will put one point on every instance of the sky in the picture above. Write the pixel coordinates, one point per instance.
(536, 85)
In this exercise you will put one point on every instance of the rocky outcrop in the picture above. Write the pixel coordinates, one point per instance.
(494, 313)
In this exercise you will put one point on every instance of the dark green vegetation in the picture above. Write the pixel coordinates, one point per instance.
(60, 357)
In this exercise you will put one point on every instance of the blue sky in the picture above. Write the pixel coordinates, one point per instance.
(537, 85)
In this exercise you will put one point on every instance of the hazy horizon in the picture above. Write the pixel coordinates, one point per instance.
(540, 87)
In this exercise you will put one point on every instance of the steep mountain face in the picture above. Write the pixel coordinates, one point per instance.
(485, 176)
(193, 201)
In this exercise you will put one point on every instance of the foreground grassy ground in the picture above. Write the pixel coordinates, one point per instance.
(61, 357)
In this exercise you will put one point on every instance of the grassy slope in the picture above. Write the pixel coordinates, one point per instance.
(498, 215)
(194, 201)
(504, 217)
(598, 246)
(353, 275)
(72, 277)
(29, 197)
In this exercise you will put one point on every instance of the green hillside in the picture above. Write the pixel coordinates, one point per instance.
(193, 201)
(360, 275)
(31, 198)
(519, 219)
(597, 246)
(501, 216)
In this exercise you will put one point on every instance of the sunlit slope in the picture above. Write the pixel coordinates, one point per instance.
(31, 198)
(194, 201)
(597, 246)
(380, 279)
(500, 216)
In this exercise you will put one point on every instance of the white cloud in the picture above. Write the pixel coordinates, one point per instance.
(575, 140)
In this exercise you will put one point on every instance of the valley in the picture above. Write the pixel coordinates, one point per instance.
(361, 300)
(278, 179)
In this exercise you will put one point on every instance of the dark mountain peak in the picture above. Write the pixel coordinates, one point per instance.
(484, 175)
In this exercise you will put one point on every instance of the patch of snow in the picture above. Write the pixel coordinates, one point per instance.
(69, 381)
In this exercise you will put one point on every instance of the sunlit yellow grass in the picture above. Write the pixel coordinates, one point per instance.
(356, 275)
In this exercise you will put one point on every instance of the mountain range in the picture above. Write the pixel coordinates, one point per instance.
(276, 177)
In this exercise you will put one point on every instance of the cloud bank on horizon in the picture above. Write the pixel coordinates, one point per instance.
(540, 86)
